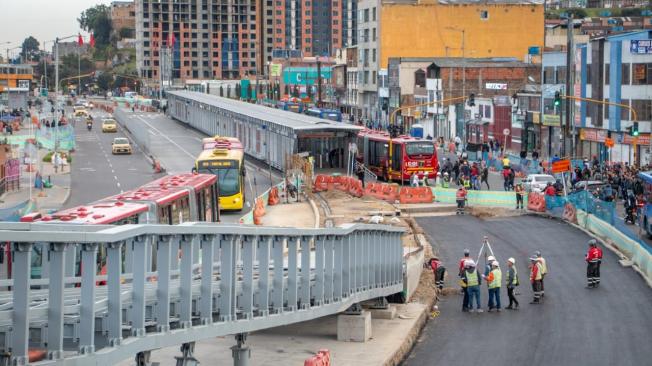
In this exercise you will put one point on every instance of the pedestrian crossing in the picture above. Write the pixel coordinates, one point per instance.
(87, 137)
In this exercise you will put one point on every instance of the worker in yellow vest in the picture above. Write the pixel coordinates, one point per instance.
(471, 279)
(544, 270)
(494, 280)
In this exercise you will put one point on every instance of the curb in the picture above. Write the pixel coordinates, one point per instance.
(315, 212)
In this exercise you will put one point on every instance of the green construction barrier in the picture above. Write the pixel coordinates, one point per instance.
(478, 198)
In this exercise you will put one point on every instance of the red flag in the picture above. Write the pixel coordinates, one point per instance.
(80, 40)
(92, 40)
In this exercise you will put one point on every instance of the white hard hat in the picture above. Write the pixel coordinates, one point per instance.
(495, 264)
(469, 263)
(445, 173)
(491, 258)
(512, 260)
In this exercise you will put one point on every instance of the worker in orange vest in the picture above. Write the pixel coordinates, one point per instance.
(460, 198)
(536, 275)
(593, 259)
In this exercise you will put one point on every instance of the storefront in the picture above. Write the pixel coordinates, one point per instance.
(593, 144)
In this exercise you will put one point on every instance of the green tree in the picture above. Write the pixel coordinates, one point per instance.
(98, 21)
(578, 13)
(125, 32)
(30, 49)
(105, 81)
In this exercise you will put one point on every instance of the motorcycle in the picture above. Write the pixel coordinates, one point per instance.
(89, 126)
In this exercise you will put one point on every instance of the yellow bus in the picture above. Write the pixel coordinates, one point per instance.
(224, 157)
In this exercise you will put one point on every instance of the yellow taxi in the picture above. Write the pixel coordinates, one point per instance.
(80, 112)
(109, 125)
(120, 145)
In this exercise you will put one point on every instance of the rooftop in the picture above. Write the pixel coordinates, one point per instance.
(295, 121)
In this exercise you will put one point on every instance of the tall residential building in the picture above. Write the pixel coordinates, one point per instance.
(315, 27)
(209, 39)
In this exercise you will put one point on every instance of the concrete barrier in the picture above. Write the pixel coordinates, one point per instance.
(413, 267)
(136, 128)
(478, 198)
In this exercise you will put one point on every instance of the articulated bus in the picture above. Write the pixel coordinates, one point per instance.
(330, 114)
(409, 155)
(170, 200)
(224, 157)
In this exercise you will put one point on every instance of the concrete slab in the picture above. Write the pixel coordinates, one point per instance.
(289, 215)
(292, 345)
(389, 313)
(354, 328)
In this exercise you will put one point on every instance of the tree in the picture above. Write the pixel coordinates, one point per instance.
(30, 49)
(97, 20)
(125, 32)
(105, 81)
(578, 13)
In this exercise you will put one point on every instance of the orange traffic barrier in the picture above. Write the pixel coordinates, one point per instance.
(415, 195)
(157, 166)
(36, 355)
(355, 187)
(259, 212)
(390, 192)
(321, 183)
(326, 356)
(570, 213)
(536, 202)
(273, 197)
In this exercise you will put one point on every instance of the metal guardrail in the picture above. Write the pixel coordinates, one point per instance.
(156, 292)
(369, 176)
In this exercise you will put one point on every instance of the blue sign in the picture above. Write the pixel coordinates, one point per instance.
(305, 75)
(533, 50)
(641, 46)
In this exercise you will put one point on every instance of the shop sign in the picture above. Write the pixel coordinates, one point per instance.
(642, 139)
(535, 118)
(590, 134)
(495, 86)
(551, 120)
(641, 46)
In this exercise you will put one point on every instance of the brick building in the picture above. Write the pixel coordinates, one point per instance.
(492, 81)
(123, 15)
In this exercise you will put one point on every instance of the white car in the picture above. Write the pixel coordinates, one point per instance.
(537, 182)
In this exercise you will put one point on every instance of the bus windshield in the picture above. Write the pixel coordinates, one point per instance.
(228, 175)
(420, 148)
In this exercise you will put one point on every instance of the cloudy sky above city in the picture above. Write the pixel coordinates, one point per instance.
(43, 19)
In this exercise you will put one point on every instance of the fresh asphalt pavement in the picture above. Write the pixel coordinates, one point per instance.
(177, 146)
(96, 172)
(574, 326)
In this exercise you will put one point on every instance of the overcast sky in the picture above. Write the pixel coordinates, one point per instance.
(43, 19)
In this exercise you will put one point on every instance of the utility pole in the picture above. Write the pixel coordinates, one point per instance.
(56, 68)
(570, 64)
(318, 82)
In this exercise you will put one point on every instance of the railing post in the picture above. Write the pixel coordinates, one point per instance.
(21, 253)
(278, 282)
(247, 305)
(292, 272)
(139, 257)
(206, 294)
(264, 245)
(329, 279)
(319, 269)
(114, 270)
(188, 245)
(56, 286)
(87, 306)
(342, 274)
(304, 296)
(227, 279)
(163, 263)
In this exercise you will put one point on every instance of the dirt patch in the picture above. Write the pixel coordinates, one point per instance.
(491, 212)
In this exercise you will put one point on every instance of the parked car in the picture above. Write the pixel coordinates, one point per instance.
(537, 182)
(590, 185)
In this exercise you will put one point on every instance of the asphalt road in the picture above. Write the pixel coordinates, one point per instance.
(96, 173)
(575, 326)
(177, 146)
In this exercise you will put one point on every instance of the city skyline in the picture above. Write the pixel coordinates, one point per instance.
(57, 21)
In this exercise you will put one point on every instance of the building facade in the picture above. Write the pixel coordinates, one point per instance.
(123, 15)
(616, 69)
(15, 85)
(368, 60)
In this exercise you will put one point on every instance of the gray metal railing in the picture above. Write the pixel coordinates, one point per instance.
(156, 292)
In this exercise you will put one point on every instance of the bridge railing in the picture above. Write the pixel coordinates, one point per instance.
(168, 285)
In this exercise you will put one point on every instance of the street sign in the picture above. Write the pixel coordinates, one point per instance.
(561, 166)
(506, 132)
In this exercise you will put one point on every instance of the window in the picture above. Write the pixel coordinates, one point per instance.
(420, 78)
(484, 14)
(373, 55)
(561, 75)
(625, 74)
(366, 77)
(373, 77)
(643, 109)
(624, 112)
(373, 14)
(642, 74)
(487, 111)
(366, 15)
(548, 75)
(606, 74)
(373, 34)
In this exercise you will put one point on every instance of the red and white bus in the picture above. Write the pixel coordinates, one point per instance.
(170, 200)
(408, 155)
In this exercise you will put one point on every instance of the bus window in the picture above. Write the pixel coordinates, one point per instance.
(164, 215)
(207, 204)
(180, 211)
(397, 157)
(200, 199)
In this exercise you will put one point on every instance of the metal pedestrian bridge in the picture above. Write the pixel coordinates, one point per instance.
(174, 285)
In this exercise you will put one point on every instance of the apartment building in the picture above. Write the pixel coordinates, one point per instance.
(206, 39)
(123, 15)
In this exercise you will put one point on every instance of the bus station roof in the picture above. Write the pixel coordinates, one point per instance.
(295, 121)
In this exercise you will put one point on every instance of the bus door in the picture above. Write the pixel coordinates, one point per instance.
(397, 158)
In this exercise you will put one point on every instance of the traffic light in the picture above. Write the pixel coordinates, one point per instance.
(471, 100)
(635, 129)
(557, 99)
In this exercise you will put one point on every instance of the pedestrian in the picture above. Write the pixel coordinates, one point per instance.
(472, 280)
(535, 279)
(55, 161)
(494, 279)
(512, 282)
(360, 173)
(544, 270)
(593, 259)
(484, 177)
(439, 271)
(520, 194)
(460, 274)
(414, 180)
(458, 141)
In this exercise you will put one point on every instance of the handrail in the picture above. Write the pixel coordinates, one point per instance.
(258, 277)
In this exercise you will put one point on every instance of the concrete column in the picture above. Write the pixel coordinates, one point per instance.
(241, 353)
(354, 327)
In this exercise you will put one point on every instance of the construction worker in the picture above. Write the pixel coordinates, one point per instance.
(465, 301)
(512, 282)
(446, 182)
(460, 198)
(593, 259)
(535, 279)
(472, 280)
(487, 267)
(520, 194)
(438, 271)
(544, 270)
(494, 280)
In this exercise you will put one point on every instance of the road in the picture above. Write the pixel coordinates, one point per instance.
(96, 173)
(177, 146)
(575, 326)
